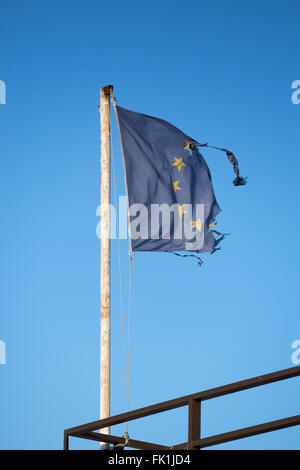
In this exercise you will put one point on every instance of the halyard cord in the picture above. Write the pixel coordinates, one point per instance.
(113, 100)
(126, 390)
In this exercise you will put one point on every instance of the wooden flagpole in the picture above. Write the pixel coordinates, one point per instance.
(104, 109)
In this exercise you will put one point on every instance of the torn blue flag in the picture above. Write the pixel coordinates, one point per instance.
(171, 197)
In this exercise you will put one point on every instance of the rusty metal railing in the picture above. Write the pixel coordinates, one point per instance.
(194, 442)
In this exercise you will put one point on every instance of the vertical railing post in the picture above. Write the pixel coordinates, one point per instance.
(194, 423)
(66, 441)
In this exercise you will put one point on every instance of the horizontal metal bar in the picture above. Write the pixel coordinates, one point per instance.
(183, 401)
(96, 436)
(251, 383)
(241, 433)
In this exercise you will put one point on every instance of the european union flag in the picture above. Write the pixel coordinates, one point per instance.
(171, 197)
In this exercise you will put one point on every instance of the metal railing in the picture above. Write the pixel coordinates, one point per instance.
(194, 442)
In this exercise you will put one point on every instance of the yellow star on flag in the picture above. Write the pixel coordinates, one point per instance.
(189, 145)
(181, 210)
(179, 163)
(175, 186)
(197, 224)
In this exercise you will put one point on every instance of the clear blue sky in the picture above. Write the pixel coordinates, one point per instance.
(220, 71)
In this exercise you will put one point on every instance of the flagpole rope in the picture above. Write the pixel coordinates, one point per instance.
(113, 100)
(126, 389)
(129, 323)
(120, 270)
